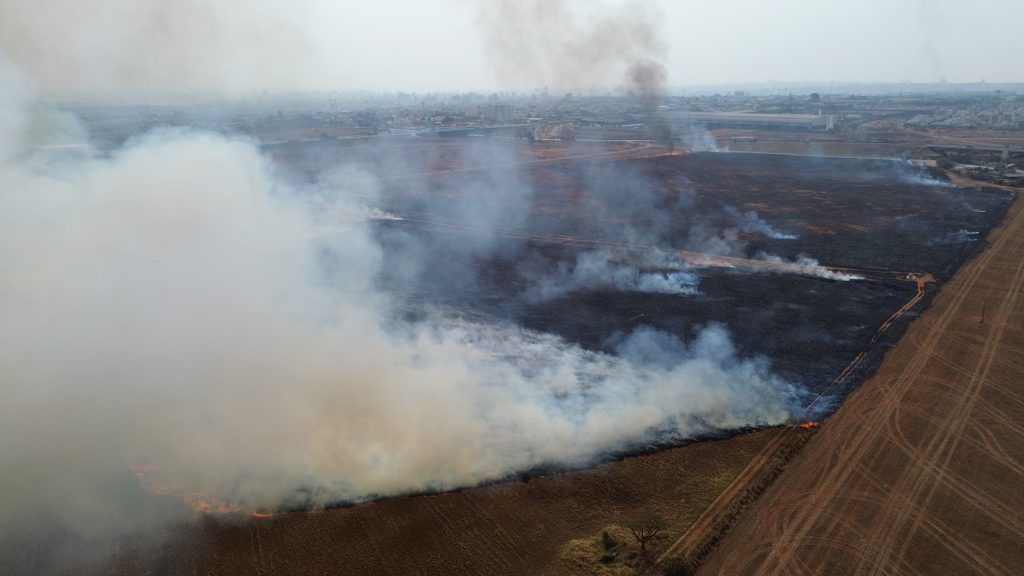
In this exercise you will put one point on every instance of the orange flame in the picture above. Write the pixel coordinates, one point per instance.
(200, 504)
(148, 476)
(808, 425)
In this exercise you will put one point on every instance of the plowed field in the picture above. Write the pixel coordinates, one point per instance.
(922, 469)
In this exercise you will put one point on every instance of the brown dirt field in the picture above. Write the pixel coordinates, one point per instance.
(921, 471)
(506, 528)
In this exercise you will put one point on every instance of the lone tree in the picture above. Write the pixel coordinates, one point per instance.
(646, 529)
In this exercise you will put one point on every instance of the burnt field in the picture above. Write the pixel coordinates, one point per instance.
(864, 231)
(517, 261)
(816, 266)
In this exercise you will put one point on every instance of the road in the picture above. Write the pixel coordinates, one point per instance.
(921, 471)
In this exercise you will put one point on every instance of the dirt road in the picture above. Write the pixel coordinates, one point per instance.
(922, 469)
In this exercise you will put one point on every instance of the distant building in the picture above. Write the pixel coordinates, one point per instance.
(498, 113)
(760, 121)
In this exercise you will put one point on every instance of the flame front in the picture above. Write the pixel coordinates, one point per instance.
(147, 475)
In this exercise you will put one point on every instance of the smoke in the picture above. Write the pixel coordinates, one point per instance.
(598, 271)
(570, 45)
(904, 171)
(931, 27)
(724, 239)
(751, 221)
(575, 45)
(807, 266)
(177, 307)
(157, 47)
(649, 78)
(961, 236)
(468, 218)
(177, 317)
(910, 173)
(698, 139)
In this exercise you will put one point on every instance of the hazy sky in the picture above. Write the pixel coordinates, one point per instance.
(158, 45)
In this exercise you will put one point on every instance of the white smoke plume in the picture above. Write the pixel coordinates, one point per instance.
(598, 270)
(698, 139)
(751, 221)
(176, 305)
(157, 47)
(905, 171)
(569, 44)
(911, 173)
(727, 240)
(961, 236)
(807, 266)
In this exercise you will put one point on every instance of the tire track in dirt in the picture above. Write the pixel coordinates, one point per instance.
(914, 476)
(918, 475)
(959, 422)
(696, 539)
(868, 422)
(985, 504)
(962, 550)
(991, 444)
(808, 514)
(1006, 421)
(992, 507)
(988, 441)
(705, 524)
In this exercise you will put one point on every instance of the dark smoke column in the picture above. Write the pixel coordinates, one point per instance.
(648, 78)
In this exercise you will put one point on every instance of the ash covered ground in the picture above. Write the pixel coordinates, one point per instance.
(587, 250)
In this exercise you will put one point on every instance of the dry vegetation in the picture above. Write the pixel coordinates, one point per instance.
(524, 527)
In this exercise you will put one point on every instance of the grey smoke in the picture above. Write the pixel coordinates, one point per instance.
(807, 266)
(598, 270)
(649, 79)
(176, 304)
(953, 238)
(904, 171)
(931, 27)
(751, 221)
(698, 139)
(910, 173)
(157, 47)
(469, 218)
(725, 238)
(569, 44)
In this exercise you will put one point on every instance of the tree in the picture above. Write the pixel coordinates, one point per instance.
(646, 529)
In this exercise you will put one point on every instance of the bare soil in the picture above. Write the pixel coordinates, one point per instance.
(507, 528)
(921, 470)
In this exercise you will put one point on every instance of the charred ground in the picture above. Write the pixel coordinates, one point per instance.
(877, 219)
(881, 220)
(842, 212)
